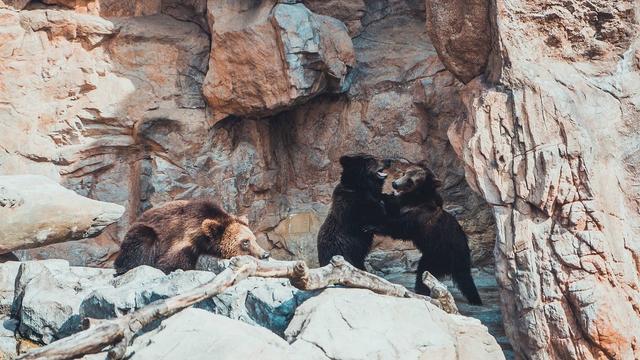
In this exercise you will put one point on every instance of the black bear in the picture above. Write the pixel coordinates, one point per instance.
(416, 214)
(173, 236)
(356, 204)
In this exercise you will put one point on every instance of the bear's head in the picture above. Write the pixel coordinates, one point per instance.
(417, 176)
(363, 171)
(233, 237)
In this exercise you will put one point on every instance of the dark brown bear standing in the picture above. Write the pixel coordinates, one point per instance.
(356, 203)
(416, 214)
(173, 236)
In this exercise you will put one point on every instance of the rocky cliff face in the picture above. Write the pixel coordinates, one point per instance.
(551, 141)
(134, 109)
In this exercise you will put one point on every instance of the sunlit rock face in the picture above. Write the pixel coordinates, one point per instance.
(551, 141)
(267, 57)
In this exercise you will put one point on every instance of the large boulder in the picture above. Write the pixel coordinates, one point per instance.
(197, 334)
(461, 33)
(358, 324)
(37, 211)
(266, 57)
(48, 295)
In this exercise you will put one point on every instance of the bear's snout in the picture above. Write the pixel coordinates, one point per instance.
(395, 185)
(265, 255)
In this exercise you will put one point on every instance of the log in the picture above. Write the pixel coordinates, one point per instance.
(118, 333)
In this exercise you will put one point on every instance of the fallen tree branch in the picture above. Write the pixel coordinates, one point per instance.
(440, 292)
(118, 332)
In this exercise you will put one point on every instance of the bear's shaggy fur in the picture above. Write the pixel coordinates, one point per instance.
(356, 202)
(173, 236)
(416, 214)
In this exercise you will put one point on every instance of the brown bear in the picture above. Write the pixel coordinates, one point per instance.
(416, 214)
(172, 236)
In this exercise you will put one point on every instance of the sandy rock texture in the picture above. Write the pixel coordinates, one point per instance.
(460, 31)
(37, 211)
(214, 334)
(71, 113)
(112, 108)
(551, 141)
(268, 56)
(338, 325)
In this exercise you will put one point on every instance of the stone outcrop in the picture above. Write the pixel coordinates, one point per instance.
(338, 325)
(461, 33)
(197, 334)
(268, 56)
(37, 211)
(551, 142)
(48, 295)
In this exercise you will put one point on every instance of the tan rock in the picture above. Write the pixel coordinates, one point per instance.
(14, 4)
(70, 114)
(357, 324)
(553, 148)
(295, 238)
(460, 31)
(36, 211)
(267, 57)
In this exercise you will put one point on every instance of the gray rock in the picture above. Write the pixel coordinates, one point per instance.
(137, 288)
(197, 334)
(8, 274)
(48, 297)
(270, 303)
(37, 211)
(8, 343)
(384, 262)
(211, 263)
(358, 324)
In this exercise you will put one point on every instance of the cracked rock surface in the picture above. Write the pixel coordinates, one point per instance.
(551, 141)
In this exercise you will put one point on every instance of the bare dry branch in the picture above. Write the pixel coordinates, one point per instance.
(440, 293)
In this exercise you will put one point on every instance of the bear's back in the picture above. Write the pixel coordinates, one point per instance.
(182, 211)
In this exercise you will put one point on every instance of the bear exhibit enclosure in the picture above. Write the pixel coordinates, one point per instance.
(528, 111)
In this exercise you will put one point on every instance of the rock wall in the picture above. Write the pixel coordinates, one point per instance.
(551, 142)
(107, 98)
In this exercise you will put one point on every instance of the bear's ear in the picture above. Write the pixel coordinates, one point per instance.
(243, 219)
(213, 228)
(345, 160)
